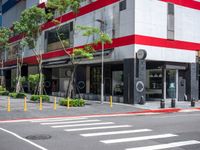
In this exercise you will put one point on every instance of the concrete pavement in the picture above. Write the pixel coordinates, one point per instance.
(91, 108)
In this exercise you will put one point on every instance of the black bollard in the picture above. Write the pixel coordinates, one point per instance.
(142, 101)
(162, 103)
(193, 102)
(173, 103)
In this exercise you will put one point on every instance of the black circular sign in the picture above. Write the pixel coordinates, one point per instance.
(141, 54)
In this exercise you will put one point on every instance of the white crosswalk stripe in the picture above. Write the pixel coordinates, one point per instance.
(166, 146)
(78, 125)
(115, 132)
(82, 123)
(98, 128)
(132, 139)
(56, 119)
(69, 122)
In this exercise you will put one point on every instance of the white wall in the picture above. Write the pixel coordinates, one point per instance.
(151, 18)
(13, 14)
(168, 54)
(30, 3)
(187, 24)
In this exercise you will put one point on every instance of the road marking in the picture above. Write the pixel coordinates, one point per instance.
(70, 122)
(165, 146)
(56, 119)
(98, 128)
(85, 124)
(21, 138)
(115, 132)
(138, 138)
(174, 116)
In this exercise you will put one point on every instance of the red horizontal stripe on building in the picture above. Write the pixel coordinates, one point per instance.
(41, 5)
(185, 3)
(123, 41)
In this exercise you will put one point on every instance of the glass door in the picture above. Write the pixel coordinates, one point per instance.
(171, 84)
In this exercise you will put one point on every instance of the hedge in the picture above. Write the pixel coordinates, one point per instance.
(17, 95)
(72, 102)
(45, 98)
(2, 88)
(4, 93)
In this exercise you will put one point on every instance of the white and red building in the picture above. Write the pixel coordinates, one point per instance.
(167, 30)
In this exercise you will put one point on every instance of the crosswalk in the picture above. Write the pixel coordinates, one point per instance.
(106, 132)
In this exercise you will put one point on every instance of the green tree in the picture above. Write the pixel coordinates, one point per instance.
(78, 53)
(5, 34)
(30, 25)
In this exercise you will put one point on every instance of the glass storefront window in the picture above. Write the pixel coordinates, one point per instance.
(117, 83)
(171, 83)
(95, 80)
(154, 84)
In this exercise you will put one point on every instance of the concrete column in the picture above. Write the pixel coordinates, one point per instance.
(134, 80)
(192, 82)
(87, 79)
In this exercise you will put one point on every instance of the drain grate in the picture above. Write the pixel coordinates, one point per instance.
(38, 137)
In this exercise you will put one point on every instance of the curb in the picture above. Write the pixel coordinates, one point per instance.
(142, 112)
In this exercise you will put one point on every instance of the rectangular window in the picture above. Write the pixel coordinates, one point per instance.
(52, 40)
(122, 5)
(170, 21)
(95, 80)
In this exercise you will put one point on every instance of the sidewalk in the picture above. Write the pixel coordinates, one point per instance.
(91, 108)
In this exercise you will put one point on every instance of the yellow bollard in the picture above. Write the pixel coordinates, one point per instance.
(111, 102)
(40, 103)
(68, 103)
(25, 105)
(54, 106)
(8, 109)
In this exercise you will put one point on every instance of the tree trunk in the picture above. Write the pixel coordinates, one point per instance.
(18, 85)
(41, 77)
(71, 88)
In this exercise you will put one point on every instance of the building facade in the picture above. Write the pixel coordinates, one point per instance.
(154, 54)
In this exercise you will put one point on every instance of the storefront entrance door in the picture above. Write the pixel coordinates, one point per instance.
(171, 86)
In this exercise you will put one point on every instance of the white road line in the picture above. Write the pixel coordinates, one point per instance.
(21, 138)
(138, 138)
(114, 132)
(98, 128)
(56, 119)
(69, 122)
(85, 124)
(164, 146)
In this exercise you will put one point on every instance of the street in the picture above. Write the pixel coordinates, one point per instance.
(174, 131)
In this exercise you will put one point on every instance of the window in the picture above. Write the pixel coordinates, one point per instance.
(65, 32)
(122, 5)
(95, 80)
(170, 21)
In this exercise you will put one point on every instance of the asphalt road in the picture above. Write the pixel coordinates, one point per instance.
(177, 131)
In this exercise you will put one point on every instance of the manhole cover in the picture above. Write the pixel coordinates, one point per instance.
(38, 137)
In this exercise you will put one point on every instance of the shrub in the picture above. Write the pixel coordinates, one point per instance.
(45, 98)
(4, 93)
(2, 88)
(17, 95)
(72, 102)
